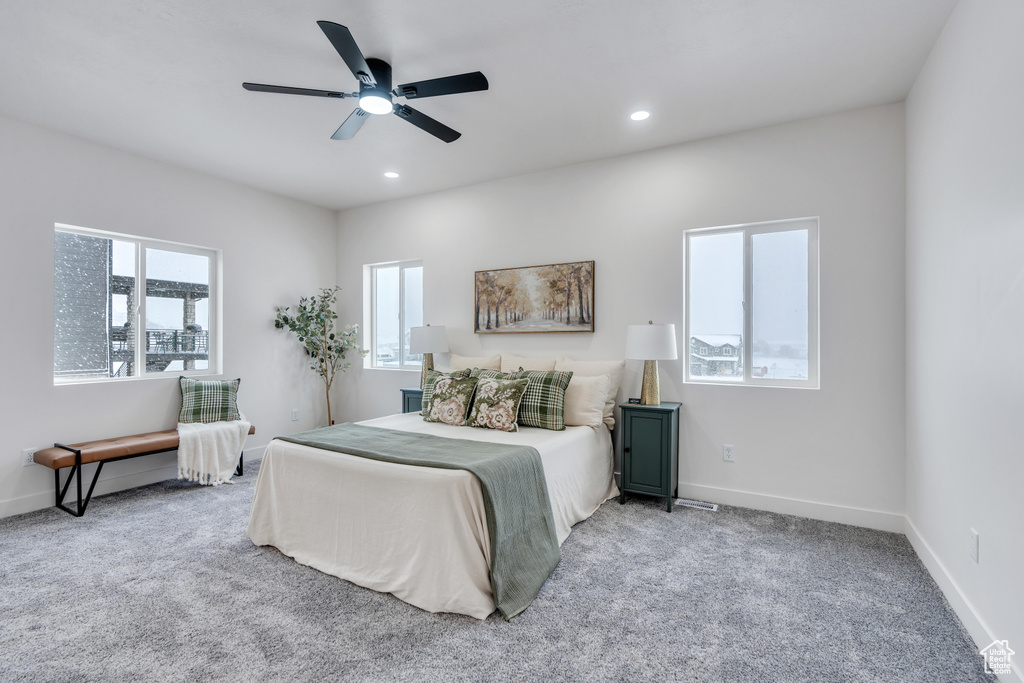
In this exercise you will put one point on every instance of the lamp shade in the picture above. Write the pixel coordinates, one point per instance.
(428, 340)
(651, 342)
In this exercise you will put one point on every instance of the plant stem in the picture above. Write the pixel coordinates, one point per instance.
(329, 420)
(325, 371)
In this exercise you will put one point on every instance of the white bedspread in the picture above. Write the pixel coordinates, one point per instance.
(419, 533)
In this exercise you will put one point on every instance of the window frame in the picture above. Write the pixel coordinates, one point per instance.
(370, 316)
(138, 317)
(810, 224)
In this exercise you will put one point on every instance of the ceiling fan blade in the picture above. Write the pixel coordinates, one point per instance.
(352, 125)
(449, 85)
(342, 40)
(286, 90)
(424, 122)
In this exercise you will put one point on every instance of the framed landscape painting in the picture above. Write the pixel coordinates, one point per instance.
(555, 298)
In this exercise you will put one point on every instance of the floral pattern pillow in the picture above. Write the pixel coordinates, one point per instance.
(497, 404)
(428, 386)
(450, 401)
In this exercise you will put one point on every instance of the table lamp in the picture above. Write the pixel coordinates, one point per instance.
(651, 343)
(428, 341)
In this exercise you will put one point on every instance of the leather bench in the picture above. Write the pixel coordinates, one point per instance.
(104, 450)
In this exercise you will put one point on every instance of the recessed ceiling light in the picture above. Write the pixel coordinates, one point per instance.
(390, 174)
(639, 115)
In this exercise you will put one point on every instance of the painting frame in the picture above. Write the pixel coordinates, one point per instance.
(535, 299)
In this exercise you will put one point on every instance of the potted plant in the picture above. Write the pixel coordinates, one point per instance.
(313, 323)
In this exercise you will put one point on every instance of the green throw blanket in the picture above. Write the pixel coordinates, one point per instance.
(524, 547)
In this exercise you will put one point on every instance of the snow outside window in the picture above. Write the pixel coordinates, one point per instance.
(396, 306)
(127, 307)
(753, 288)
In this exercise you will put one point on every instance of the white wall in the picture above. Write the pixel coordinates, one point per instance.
(965, 315)
(275, 250)
(833, 453)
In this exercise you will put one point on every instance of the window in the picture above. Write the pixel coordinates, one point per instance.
(105, 329)
(396, 306)
(753, 288)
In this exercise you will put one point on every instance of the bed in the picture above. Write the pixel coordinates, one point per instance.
(419, 533)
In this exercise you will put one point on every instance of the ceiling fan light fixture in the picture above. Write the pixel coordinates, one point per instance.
(375, 97)
(375, 103)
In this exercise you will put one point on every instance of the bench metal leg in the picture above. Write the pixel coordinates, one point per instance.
(76, 473)
(239, 470)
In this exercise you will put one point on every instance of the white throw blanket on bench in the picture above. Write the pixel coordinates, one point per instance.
(208, 453)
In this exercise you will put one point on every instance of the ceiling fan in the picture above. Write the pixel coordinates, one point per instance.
(375, 93)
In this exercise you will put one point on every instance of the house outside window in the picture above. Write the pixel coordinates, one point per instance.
(751, 304)
(715, 356)
(395, 307)
(130, 307)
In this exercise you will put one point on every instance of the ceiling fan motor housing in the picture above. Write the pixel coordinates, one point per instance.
(381, 71)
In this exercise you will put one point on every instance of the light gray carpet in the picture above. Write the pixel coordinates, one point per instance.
(161, 584)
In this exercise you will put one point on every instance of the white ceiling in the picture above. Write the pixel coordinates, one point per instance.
(163, 79)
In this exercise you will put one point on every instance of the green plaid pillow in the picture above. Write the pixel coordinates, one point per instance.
(490, 374)
(209, 400)
(428, 386)
(543, 404)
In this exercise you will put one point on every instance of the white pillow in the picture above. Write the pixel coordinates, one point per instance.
(589, 368)
(458, 362)
(585, 398)
(513, 363)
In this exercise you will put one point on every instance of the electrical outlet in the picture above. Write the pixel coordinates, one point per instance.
(26, 457)
(295, 414)
(727, 453)
(975, 543)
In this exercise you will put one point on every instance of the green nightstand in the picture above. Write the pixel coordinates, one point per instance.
(412, 400)
(650, 451)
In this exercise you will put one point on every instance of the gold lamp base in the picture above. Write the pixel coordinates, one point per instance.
(428, 365)
(650, 390)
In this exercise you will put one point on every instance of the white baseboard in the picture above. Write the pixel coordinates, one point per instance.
(872, 519)
(972, 621)
(44, 499)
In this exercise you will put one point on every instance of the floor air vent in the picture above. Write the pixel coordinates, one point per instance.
(697, 504)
